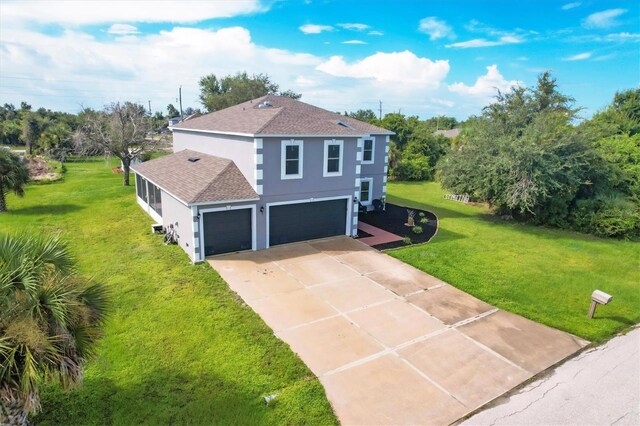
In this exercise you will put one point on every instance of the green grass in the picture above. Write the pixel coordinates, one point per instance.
(544, 274)
(179, 347)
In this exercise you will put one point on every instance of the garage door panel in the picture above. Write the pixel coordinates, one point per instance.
(307, 221)
(227, 231)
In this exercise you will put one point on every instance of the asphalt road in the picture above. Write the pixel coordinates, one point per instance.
(601, 386)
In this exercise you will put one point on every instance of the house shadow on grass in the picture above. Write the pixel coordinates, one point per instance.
(162, 398)
(39, 210)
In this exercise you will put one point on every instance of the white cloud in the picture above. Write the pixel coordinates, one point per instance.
(604, 19)
(314, 28)
(77, 12)
(375, 33)
(303, 81)
(604, 57)
(435, 27)
(570, 6)
(122, 29)
(71, 69)
(442, 102)
(486, 86)
(79, 69)
(481, 42)
(578, 57)
(397, 68)
(522, 58)
(354, 26)
(622, 37)
(354, 42)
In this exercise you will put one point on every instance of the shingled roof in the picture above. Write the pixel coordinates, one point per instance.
(208, 179)
(281, 116)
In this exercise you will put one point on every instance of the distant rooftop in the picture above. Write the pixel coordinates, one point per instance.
(448, 133)
(279, 115)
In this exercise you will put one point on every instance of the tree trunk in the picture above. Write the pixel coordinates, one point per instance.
(3, 203)
(12, 413)
(126, 162)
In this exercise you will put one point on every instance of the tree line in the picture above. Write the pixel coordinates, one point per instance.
(527, 154)
(527, 157)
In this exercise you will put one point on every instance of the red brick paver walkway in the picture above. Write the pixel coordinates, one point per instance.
(378, 236)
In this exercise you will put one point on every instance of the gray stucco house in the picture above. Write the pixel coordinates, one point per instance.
(268, 171)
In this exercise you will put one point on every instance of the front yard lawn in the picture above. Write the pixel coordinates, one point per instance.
(180, 347)
(544, 274)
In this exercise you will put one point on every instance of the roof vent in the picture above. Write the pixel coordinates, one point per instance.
(193, 159)
(343, 124)
(265, 104)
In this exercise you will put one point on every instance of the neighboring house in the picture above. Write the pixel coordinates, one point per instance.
(176, 120)
(448, 133)
(269, 171)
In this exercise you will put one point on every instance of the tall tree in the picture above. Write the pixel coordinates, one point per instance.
(172, 111)
(366, 115)
(120, 130)
(31, 129)
(219, 93)
(523, 155)
(13, 176)
(50, 320)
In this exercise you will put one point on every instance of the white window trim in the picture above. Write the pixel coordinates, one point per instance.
(283, 163)
(325, 173)
(373, 150)
(366, 203)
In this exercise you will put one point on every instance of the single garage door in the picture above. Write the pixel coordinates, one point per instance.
(306, 221)
(227, 231)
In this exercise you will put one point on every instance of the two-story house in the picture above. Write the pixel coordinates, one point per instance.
(269, 171)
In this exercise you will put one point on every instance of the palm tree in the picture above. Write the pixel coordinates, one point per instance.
(50, 321)
(13, 176)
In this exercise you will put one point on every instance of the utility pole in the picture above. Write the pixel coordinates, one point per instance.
(180, 93)
(380, 111)
(150, 113)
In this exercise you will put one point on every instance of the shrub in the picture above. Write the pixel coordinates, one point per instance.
(417, 168)
(421, 214)
(612, 216)
(417, 229)
(406, 240)
(424, 220)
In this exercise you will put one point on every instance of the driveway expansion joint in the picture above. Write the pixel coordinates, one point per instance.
(359, 318)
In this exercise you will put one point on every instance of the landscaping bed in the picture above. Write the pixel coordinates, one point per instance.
(394, 218)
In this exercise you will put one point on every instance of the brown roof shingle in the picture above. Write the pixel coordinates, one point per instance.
(210, 179)
(284, 116)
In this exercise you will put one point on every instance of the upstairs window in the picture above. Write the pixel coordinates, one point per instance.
(368, 151)
(291, 159)
(332, 158)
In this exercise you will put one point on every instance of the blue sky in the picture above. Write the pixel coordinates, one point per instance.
(422, 58)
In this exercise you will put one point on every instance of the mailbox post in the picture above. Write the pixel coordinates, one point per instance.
(598, 298)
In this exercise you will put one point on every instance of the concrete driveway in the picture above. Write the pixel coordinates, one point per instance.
(390, 344)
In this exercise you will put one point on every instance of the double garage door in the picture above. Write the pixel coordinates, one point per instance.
(289, 223)
(231, 230)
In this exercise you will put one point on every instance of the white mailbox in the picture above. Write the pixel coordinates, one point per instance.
(598, 298)
(601, 297)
